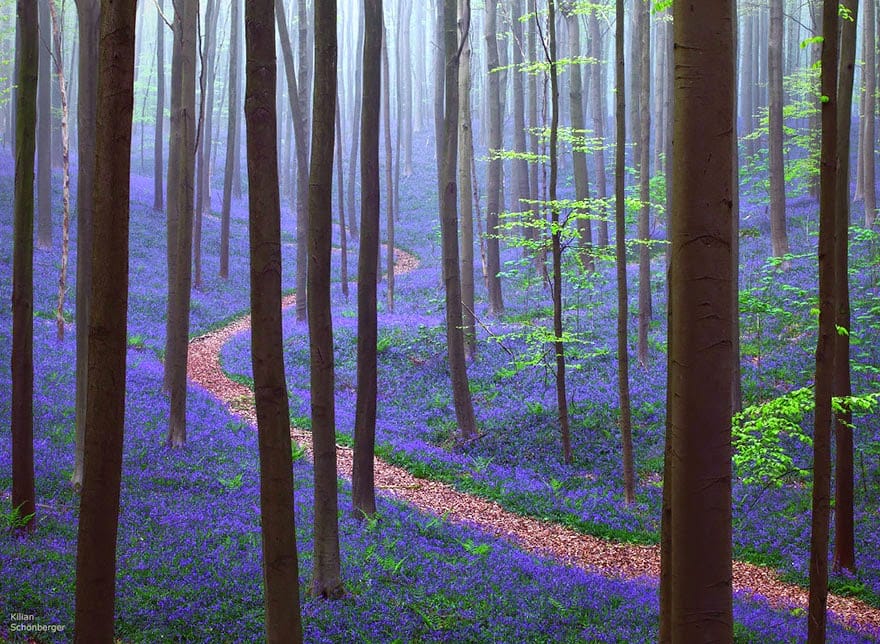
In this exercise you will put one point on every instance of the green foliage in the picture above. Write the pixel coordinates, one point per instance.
(233, 483)
(13, 519)
(297, 451)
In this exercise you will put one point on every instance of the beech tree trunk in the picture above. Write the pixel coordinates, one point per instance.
(405, 96)
(465, 184)
(493, 186)
(461, 395)
(597, 98)
(869, 73)
(159, 140)
(844, 538)
(355, 141)
(44, 131)
(343, 237)
(326, 579)
(184, 139)
(363, 490)
(825, 346)
(778, 233)
(22, 359)
(644, 170)
(88, 14)
(701, 334)
(620, 253)
(108, 308)
(280, 565)
(232, 135)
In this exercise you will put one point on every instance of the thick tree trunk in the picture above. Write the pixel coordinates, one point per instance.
(280, 565)
(184, 181)
(825, 349)
(108, 307)
(461, 395)
(326, 580)
(493, 186)
(844, 539)
(232, 136)
(700, 335)
(778, 233)
(88, 13)
(363, 489)
(22, 359)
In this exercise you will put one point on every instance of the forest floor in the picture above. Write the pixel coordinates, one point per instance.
(612, 559)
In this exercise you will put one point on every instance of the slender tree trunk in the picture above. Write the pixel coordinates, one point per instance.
(389, 174)
(343, 237)
(280, 565)
(869, 172)
(620, 252)
(844, 539)
(232, 136)
(355, 140)
(825, 347)
(520, 166)
(493, 187)
(644, 166)
(533, 228)
(184, 181)
(326, 580)
(465, 184)
(579, 156)
(363, 489)
(700, 335)
(88, 12)
(404, 64)
(108, 307)
(22, 359)
(159, 141)
(44, 131)
(461, 395)
(778, 233)
(597, 98)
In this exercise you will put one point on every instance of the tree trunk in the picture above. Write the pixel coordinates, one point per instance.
(644, 170)
(108, 308)
(232, 135)
(461, 395)
(363, 490)
(88, 12)
(620, 253)
(825, 349)
(533, 228)
(493, 186)
(21, 418)
(355, 140)
(465, 184)
(579, 156)
(184, 181)
(205, 131)
(280, 565)
(326, 580)
(391, 203)
(778, 233)
(597, 98)
(343, 237)
(44, 132)
(159, 140)
(700, 336)
(520, 169)
(869, 73)
(404, 65)
(844, 540)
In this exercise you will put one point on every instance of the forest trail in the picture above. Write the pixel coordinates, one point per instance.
(533, 535)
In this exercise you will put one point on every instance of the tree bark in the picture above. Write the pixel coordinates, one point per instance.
(644, 170)
(108, 307)
(825, 349)
(869, 73)
(22, 359)
(391, 202)
(597, 98)
(493, 186)
(280, 565)
(184, 181)
(363, 489)
(88, 13)
(326, 580)
(355, 140)
(461, 395)
(700, 336)
(778, 233)
(159, 140)
(232, 136)
(404, 64)
(844, 539)
(465, 183)
(44, 131)
(620, 253)
(343, 237)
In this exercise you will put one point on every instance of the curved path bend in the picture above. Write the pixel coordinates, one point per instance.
(540, 537)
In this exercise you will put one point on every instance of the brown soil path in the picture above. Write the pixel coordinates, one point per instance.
(533, 535)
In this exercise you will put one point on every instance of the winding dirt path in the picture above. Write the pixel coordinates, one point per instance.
(533, 535)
